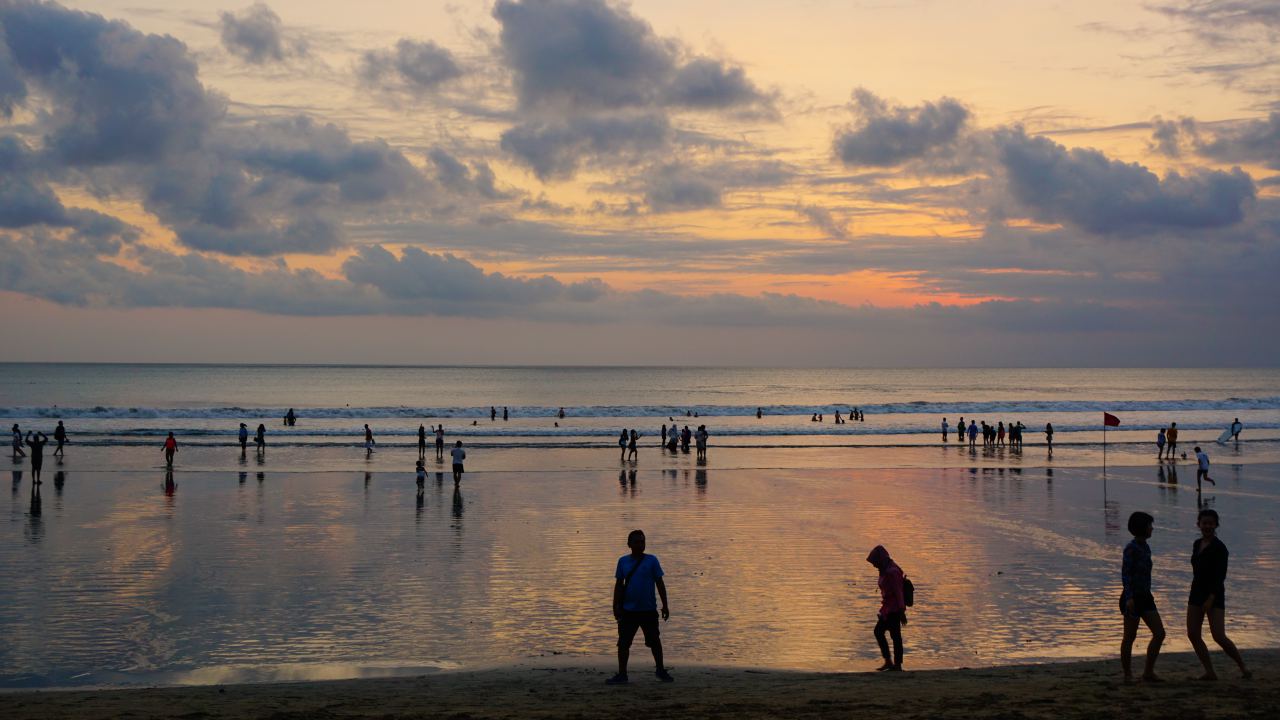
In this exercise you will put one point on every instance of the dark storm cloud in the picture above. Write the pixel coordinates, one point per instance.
(555, 149)
(885, 135)
(413, 66)
(12, 90)
(124, 113)
(1085, 188)
(255, 35)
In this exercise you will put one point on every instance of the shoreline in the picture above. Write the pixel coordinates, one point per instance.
(560, 688)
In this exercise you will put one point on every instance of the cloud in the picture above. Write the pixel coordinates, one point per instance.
(133, 98)
(255, 35)
(704, 83)
(1085, 188)
(678, 186)
(885, 136)
(1166, 135)
(412, 66)
(456, 176)
(1251, 141)
(822, 219)
(555, 149)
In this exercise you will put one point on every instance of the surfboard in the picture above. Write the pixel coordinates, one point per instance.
(1224, 437)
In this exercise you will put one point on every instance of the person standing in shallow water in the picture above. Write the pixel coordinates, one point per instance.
(170, 448)
(36, 441)
(1136, 601)
(458, 455)
(1208, 596)
(422, 441)
(440, 443)
(636, 578)
(60, 436)
(632, 452)
(368, 441)
(17, 442)
(261, 439)
(893, 607)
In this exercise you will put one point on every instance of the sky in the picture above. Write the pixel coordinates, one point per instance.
(706, 182)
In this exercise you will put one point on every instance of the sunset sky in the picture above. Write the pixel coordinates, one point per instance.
(660, 182)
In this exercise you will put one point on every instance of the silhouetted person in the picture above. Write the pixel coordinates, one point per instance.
(170, 449)
(1236, 427)
(60, 436)
(700, 441)
(759, 413)
(1172, 436)
(1160, 443)
(17, 442)
(664, 434)
(685, 436)
(973, 434)
(422, 441)
(1202, 468)
(504, 413)
(624, 439)
(244, 438)
(261, 439)
(291, 419)
(960, 430)
(1136, 601)
(631, 445)
(36, 441)
(440, 443)
(944, 429)
(493, 413)
(458, 455)
(1048, 436)
(893, 607)
(1208, 589)
(634, 606)
(561, 414)
(368, 441)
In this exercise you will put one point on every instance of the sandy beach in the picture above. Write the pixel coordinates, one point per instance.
(537, 689)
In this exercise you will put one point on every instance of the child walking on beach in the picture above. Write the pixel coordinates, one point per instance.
(1136, 600)
(893, 607)
(634, 607)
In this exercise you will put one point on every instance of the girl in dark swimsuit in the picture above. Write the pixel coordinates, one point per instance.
(1208, 583)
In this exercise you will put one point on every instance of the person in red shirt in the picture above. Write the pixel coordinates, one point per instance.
(170, 447)
(893, 607)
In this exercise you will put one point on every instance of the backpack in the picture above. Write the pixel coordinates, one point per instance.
(908, 591)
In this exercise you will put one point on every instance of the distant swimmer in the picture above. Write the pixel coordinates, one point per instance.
(458, 455)
(1202, 468)
(493, 413)
(36, 442)
(244, 438)
(290, 418)
(440, 443)
(839, 421)
(759, 413)
(561, 413)
(422, 441)
(944, 428)
(170, 449)
(1236, 427)
(17, 442)
(504, 413)
(60, 436)
(368, 440)
(261, 439)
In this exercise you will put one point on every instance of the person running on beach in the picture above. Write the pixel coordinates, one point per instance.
(170, 448)
(631, 445)
(243, 435)
(368, 440)
(36, 442)
(60, 436)
(261, 439)
(623, 440)
(1172, 437)
(1160, 441)
(422, 441)
(17, 442)
(458, 455)
(944, 429)
(893, 607)
(1208, 586)
(440, 443)
(1048, 436)
(700, 440)
(634, 606)
(1136, 600)
(1236, 427)
(1202, 468)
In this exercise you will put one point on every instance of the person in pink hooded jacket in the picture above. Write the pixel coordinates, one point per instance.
(893, 607)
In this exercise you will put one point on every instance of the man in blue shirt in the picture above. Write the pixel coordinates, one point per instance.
(634, 607)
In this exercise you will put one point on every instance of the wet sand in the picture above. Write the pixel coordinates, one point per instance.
(539, 689)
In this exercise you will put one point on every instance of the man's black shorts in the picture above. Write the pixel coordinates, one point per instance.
(457, 468)
(631, 620)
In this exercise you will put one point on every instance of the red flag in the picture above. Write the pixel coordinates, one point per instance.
(1110, 420)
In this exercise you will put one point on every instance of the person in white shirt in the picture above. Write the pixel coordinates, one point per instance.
(458, 455)
(1202, 468)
